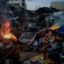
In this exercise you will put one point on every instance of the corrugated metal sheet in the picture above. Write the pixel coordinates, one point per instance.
(59, 21)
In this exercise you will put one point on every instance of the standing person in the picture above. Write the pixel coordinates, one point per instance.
(0, 29)
(0, 34)
(1, 38)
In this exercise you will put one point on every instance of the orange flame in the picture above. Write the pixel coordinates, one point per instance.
(6, 33)
(10, 36)
(7, 24)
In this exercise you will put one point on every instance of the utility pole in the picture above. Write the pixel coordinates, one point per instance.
(24, 9)
(23, 4)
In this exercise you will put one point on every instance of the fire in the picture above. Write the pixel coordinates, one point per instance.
(6, 33)
(7, 24)
(10, 36)
(7, 36)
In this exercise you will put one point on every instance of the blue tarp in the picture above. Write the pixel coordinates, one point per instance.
(61, 30)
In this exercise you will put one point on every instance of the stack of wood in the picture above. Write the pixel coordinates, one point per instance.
(4, 53)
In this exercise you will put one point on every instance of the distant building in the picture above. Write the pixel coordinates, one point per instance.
(3, 6)
(3, 3)
(16, 3)
(58, 5)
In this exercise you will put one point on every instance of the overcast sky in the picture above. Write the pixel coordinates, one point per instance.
(35, 4)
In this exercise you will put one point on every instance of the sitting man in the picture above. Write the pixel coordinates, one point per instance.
(49, 40)
(37, 39)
